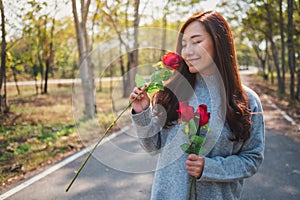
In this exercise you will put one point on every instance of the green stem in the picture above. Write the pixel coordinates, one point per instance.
(101, 138)
(195, 188)
(193, 183)
(190, 190)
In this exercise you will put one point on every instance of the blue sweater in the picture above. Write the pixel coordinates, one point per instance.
(227, 163)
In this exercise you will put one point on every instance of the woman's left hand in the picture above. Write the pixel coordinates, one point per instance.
(194, 165)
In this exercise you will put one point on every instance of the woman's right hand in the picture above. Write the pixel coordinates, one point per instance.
(142, 102)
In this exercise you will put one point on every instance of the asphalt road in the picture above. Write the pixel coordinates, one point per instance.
(109, 175)
(277, 179)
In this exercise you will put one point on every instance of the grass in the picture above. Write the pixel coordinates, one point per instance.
(42, 129)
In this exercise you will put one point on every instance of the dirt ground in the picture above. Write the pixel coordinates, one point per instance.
(275, 117)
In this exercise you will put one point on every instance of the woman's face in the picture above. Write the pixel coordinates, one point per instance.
(197, 49)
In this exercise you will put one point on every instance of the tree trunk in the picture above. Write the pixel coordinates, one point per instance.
(133, 55)
(164, 34)
(277, 66)
(3, 98)
(129, 76)
(291, 49)
(40, 56)
(266, 59)
(84, 63)
(282, 38)
(16, 80)
(164, 26)
(270, 69)
(280, 84)
(50, 57)
(122, 67)
(46, 77)
(34, 75)
(136, 42)
(298, 85)
(262, 58)
(41, 66)
(111, 85)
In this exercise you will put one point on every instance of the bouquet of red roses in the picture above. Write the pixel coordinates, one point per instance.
(194, 122)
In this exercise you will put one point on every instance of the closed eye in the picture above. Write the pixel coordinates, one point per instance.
(197, 42)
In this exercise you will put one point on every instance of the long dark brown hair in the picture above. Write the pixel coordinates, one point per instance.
(237, 103)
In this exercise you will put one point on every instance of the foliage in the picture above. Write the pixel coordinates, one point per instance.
(266, 34)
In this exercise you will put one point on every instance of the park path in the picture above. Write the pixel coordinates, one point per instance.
(279, 176)
(277, 179)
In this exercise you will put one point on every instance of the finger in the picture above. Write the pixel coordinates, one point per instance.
(137, 90)
(193, 157)
(189, 163)
(198, 163)
(144, 88)
(133, 96)
(193, 168)
(195, 173)
(137, 97)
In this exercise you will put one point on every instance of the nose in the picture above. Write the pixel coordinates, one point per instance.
(187, 51)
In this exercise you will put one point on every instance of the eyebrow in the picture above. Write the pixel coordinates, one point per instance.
(193, 36)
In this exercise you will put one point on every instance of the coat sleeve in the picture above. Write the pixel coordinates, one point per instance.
(148, 130)
(245, 163)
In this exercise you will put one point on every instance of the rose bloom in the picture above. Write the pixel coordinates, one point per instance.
(185, 112)
(203, 114)
(171, 60)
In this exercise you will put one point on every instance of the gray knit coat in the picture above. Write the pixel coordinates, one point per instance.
(227, 163)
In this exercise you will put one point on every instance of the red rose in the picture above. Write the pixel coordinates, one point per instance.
(185, 112)
(203, 114)
(171, 60)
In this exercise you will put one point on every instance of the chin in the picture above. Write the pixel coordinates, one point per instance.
(202, 70)
(193, 70)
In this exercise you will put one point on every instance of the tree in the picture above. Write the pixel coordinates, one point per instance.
(164, 26)
(132, 65)
(282, 40)
(3, 98)
(270, 35)
(49, 53)
(262, 55)
(86, 69)
(297, 44)
(291, 48)
(39, 32)
(253, 29)
(261, 17)
(118, 17)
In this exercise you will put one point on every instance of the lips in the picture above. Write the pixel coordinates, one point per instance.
(191, 60)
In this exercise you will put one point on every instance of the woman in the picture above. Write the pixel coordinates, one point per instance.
(235, 143)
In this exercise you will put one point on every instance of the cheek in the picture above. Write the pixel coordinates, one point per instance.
(183, 53)
(184, 56)
(207, 52)
(210, 49)
(211, 52)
